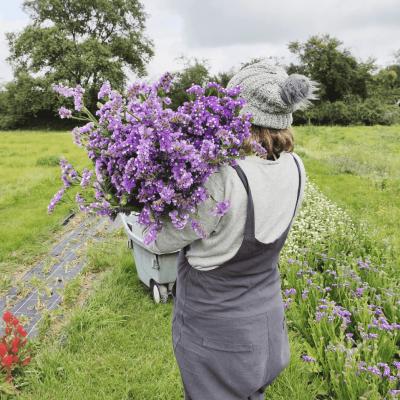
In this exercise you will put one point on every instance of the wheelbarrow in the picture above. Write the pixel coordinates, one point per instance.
(158, 271)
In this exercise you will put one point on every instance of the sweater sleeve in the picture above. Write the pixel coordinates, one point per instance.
(171, 239)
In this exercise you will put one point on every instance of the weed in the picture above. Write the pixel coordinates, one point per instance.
(71, 288)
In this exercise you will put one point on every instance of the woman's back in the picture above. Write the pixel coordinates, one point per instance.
(228, 325)
(274, 186)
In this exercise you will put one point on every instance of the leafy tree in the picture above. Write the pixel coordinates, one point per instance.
(26, 98)
(336, 70)
(395, 67)
(382, 82)
(85, 42)
(296, 69)
(195, 71)
(224, 77)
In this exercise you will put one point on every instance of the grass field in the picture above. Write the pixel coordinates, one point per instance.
(359, 169)
(27, 186)
(119, 347)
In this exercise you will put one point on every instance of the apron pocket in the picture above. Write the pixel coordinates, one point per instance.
(223, 346)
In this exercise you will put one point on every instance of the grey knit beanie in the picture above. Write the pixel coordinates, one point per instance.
(271, 94)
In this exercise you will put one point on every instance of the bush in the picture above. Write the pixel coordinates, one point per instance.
(372, 111)
(48, 161)
(30, 103)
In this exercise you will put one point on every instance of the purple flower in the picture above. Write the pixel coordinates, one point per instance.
(162, 158)
(64, 113)
(222, 208)
(308, 359)
(79, 199)
(78, 97)
(86, 176)
(105, 90)
(396, 364)
(375, 370)
(63, 90)
(387, 369)
(258, 149)
(178, 222)
(199, 229)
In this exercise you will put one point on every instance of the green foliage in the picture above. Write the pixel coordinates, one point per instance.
(86, 42)
(26, 101)
(372, 111)
(195, 71)
(223, 78)
(350, 94)
(48, 161)
(99, 257)
(336, 70)
(385, 85)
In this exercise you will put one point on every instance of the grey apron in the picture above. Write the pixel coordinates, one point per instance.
(228, 324)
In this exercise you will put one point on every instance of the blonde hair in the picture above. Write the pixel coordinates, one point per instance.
(274, 141)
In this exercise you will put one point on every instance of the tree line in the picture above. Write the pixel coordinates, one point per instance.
(91, 42)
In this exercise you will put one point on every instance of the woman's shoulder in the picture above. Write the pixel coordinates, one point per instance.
(297, 157)
(219, 177)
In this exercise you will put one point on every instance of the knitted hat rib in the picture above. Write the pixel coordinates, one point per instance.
(271, 94)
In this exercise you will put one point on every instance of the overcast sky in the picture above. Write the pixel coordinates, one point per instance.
(229, 32)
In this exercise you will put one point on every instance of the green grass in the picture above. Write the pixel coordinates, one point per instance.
(29, 177)
(119, 346)
(359, 169)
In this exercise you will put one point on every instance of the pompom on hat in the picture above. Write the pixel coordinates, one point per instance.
(272, 95)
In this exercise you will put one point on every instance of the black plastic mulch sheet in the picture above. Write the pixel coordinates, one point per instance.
(57, 273)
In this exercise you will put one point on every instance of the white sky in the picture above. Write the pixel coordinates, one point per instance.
(229, 32)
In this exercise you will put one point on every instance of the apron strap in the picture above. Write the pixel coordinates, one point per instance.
(249, 230)
(298, 190)
(250, 223)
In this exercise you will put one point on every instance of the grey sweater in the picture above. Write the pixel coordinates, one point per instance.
(273, 185)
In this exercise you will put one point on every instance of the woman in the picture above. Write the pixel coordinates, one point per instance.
(228, 325)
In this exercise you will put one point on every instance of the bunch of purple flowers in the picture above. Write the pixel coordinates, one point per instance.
(151, 159)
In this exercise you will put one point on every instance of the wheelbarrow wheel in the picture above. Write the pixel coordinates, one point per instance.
(159, 292)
